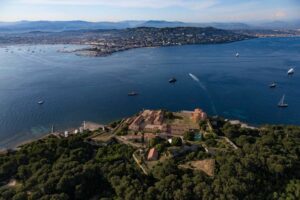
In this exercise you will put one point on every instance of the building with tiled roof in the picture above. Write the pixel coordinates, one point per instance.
(152, 155)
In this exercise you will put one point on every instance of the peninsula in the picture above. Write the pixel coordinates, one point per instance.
(105, 42)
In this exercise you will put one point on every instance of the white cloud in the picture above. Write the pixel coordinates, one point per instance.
(190, 4)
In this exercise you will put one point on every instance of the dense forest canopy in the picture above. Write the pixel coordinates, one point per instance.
(266, 166)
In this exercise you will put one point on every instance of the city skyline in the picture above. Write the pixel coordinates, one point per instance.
(170, 10)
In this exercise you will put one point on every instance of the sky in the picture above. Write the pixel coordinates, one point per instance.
(171, 10)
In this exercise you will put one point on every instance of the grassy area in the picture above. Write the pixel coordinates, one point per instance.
(184, 118)
(104, 137)
(207, 166)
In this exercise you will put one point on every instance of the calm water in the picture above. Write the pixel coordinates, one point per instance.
(95, 89)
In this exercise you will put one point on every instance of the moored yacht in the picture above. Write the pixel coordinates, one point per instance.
(291, 71)
(172, 80)
(133, 93)
(41, 102)
(273, 85)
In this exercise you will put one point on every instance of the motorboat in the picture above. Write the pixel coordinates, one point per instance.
(41, 102)
(172, 80)
(273, 85)
(291, 71)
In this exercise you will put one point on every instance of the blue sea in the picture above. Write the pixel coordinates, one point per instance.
(77, 88)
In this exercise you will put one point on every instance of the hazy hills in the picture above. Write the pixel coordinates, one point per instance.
(27, 26)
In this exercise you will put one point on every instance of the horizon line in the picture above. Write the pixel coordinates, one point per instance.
(157, 20)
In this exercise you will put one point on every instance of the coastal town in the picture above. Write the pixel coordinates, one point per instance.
(158, 37)
(106, 42)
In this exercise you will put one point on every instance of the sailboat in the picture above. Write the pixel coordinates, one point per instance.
(281, 103)
(237, 55)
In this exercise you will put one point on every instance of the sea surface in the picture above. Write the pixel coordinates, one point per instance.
(77, 88)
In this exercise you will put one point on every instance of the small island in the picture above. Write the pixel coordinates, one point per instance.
(157, 154)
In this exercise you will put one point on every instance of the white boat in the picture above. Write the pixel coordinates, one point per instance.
(291, 71)
(281, 103)
(273, 85)
(41, 102)
(237, 55)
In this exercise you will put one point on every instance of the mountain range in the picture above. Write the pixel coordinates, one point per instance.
(27, 26)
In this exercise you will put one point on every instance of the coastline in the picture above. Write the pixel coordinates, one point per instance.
(95, 52)
(91, 126)
(85, 125)
(92, 50)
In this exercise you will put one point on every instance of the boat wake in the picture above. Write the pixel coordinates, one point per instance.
(203, 87)
(195, 78)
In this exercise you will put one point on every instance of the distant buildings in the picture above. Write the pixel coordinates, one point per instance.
(90, 126)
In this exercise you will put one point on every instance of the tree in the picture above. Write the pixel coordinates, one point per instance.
(189, 136)
(20, 196)
(266, 166)
(155, 141)
(164, 169)
(292, 190)
(161, 147)
(166, 186)
(231, 131)
(211, 142)
(176, 141)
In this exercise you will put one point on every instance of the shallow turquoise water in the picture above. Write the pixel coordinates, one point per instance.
(95, 89)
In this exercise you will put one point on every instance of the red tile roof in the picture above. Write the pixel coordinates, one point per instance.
(153, 154)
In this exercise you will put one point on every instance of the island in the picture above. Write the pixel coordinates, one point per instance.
(157, 154)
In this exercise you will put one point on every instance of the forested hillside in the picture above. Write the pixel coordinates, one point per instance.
(266, 166)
